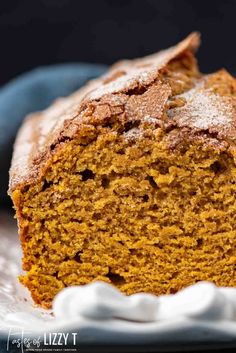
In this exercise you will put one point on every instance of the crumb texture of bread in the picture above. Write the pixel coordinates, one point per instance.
(131, 180)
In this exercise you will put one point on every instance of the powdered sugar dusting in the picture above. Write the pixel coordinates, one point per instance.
(134, 134)
(21, 156)
(150, 119)
(126, 82)
(205, 109)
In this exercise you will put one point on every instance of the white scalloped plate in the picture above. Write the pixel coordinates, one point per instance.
(200, 314)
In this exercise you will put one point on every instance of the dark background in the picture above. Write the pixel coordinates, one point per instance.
(44, 32)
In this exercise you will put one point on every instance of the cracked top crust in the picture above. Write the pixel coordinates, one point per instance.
(115, 94)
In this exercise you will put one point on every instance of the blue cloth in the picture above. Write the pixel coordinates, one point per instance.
(31, 92)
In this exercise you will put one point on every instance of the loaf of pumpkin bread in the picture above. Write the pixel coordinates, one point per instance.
(131, 180)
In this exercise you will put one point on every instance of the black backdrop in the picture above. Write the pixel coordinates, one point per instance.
(41, 32)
